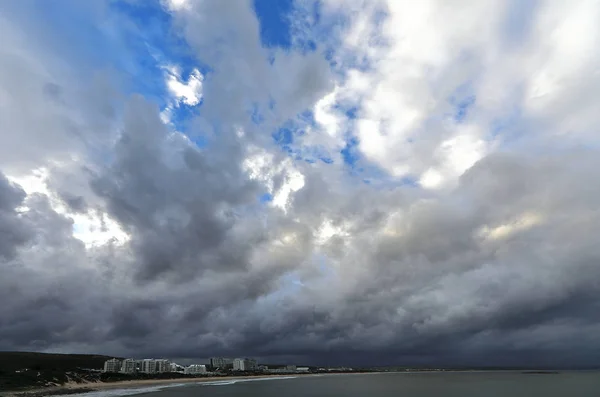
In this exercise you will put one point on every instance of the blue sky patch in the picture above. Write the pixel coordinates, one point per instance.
(463, 100)
(350, 153)
(182, 115)
(265, 198)
(273, 16)
(149, 35)
(283, 136)
(462, 108)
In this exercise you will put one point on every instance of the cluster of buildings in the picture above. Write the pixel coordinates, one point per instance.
(236, 364)
(150, 366)
(248, 364)
(220, 364)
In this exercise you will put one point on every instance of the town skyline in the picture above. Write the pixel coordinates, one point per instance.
(162, 365)
(215, 365)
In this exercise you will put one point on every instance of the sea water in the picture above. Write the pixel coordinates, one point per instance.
(434, 384)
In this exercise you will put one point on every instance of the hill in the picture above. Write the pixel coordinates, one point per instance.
(24, 370)
(15, 361)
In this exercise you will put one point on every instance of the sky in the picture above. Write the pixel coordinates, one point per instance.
(323, 182)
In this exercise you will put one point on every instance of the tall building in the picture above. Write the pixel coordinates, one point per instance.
(220, 362)
(128, 366)
(195, 369)
(149, 366)
(112, 365)
(244, 364)
(139, 365)
(238, 364)
(163, 366)
(251, 364)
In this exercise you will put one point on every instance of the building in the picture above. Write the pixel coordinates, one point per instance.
(128, 366)
(302, 369)
(290, 367)
(282, 370)
(238, 364)
(112, 365)
(251, 364)
(220, 362)
(195, 369)
(244, 364)
(148, 366)
(162, 366)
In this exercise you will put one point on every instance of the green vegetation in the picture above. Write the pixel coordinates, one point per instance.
(14, 361)
(24, 370)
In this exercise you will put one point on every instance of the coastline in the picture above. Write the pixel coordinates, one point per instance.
(76, 388)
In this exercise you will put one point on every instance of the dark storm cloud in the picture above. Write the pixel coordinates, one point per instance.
(12, 231)
(75, 203)
(501, 269)
(182, 207)
(48, 295)
(418, 278)
(416, 298)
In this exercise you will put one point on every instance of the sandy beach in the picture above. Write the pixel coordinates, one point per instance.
(71, 388)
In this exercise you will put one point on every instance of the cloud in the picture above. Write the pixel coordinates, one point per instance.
(188, 93)
(15, 234)
(193, 200)
(408, 65)
(463, 231)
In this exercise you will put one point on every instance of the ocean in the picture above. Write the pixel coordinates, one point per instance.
(448, 384)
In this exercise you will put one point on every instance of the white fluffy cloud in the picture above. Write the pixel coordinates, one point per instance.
(405, 60)
(187, 92)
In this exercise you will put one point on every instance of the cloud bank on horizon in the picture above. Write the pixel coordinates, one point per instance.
(334, 181)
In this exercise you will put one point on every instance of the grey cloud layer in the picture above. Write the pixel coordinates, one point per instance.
(501, 269)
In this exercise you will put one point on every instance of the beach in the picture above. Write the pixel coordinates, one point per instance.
(76, 388)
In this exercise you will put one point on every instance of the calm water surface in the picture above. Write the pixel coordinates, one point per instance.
(573, 384)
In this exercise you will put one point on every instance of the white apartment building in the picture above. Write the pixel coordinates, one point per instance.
(149, 366)
(195, 369)
(163, 366)
(128, 366)
(238, 364)
(112, 365)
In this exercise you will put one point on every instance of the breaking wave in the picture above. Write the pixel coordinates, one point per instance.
(233, 381)
(122, 392)
(150, 389)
